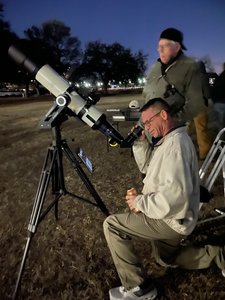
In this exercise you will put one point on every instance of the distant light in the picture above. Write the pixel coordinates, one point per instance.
(141, 81)
(87, 84)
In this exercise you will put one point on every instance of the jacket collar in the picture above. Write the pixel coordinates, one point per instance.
(164, 67)
(172, 131)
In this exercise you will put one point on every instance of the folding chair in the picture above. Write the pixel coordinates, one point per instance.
(217, 154)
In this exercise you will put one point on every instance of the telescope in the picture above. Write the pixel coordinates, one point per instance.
(66, 95)
(69, 102)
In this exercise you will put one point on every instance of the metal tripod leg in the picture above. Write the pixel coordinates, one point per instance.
(74, 159)
(53, 169)
(36, 217)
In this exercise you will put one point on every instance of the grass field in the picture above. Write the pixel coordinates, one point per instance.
(68, 258)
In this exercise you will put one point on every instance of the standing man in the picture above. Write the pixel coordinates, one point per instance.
(177, 79)
(164, 212)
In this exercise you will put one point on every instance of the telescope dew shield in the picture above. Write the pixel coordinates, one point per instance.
(57, 85)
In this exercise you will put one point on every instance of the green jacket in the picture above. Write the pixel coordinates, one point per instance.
(181, 86)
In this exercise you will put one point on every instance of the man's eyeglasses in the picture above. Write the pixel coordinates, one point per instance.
(147, 123)
(167, 45)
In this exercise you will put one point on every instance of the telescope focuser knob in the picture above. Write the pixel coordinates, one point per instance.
(63, 100)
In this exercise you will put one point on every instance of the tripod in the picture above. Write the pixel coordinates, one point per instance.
(53, 171)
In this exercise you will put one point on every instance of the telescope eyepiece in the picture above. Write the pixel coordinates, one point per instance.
(132, 136)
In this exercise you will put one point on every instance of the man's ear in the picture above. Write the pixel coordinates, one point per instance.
(178, 47)
(164, 114)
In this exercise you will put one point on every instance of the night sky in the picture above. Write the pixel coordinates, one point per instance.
(135, 24)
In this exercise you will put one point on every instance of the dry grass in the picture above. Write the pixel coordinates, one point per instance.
(68, 258)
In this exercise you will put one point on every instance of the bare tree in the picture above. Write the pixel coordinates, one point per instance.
(208, 64)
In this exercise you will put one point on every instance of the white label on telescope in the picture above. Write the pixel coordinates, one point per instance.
(118, 118)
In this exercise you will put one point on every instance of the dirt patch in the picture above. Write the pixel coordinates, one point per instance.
(68, 257)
